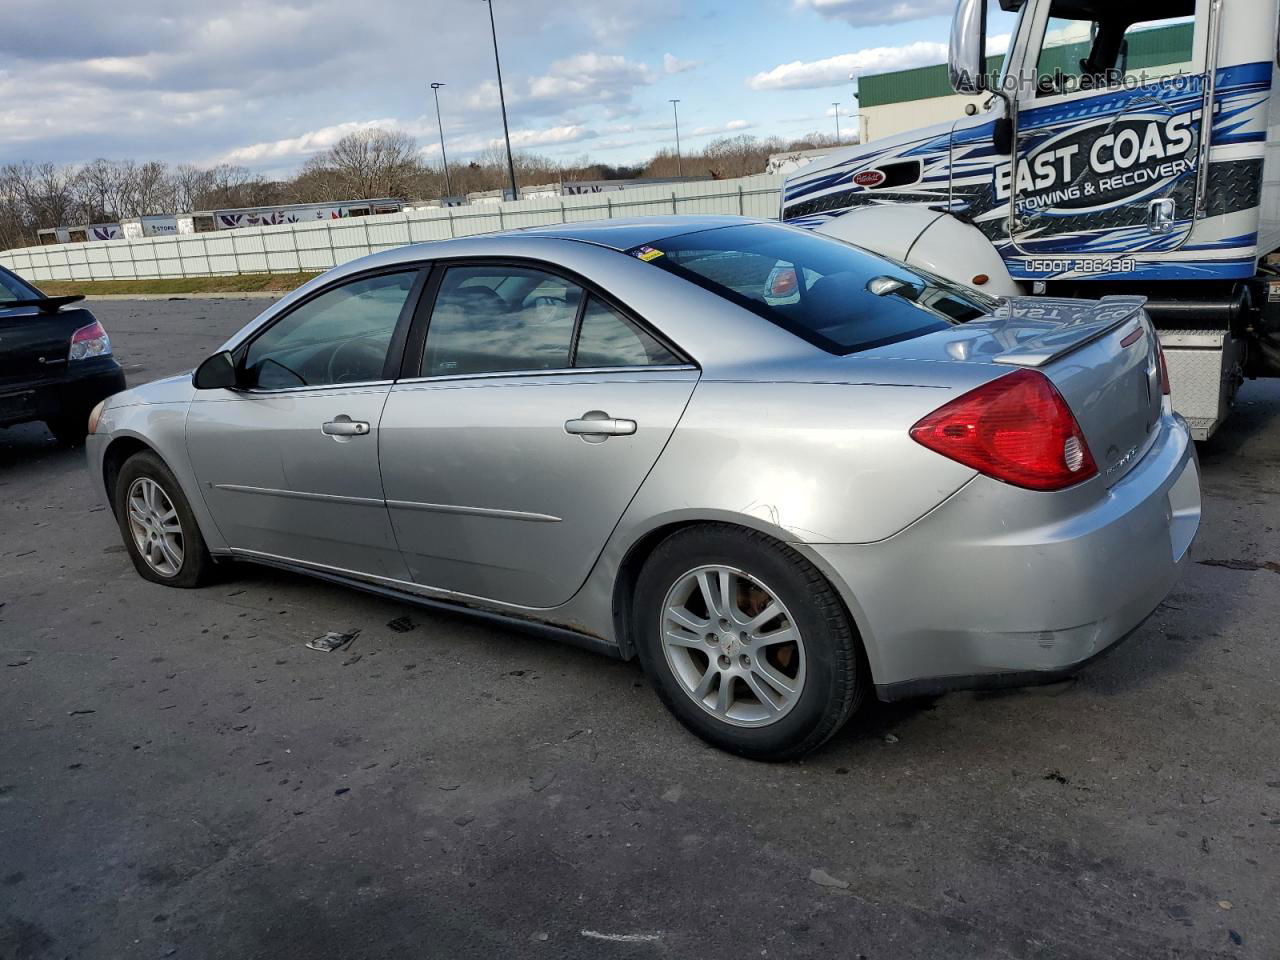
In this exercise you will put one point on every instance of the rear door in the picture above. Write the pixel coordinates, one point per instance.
(534, 410)
(1108, 142)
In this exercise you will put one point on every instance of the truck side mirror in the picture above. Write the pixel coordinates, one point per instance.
(1002, 135)
(968, 58)
(216, 372)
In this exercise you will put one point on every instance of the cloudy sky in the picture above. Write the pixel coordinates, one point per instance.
(265, 84)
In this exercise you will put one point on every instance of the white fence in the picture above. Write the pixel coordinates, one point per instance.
(319, 245)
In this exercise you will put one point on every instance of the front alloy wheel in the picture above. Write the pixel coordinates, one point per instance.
(156, 527)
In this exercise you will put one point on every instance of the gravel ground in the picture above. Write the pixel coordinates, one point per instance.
(179, 776)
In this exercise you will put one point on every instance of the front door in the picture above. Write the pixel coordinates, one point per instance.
(540, 410)
(288, 464)
(1109, 139)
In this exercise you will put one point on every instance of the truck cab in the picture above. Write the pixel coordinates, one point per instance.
(1123, 149)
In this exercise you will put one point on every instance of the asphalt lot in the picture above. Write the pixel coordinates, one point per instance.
(179, 776)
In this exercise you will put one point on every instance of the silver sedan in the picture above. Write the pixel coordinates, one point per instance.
(781, 471)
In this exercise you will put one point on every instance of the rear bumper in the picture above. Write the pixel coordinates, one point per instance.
(74, 393)
(1006, 587)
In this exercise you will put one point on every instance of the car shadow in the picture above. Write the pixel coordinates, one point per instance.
(30, 444)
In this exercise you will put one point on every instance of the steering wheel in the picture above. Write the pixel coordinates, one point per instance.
(351, 361)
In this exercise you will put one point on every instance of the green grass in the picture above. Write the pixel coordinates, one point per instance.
(241, 283)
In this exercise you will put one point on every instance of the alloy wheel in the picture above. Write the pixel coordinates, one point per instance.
(156, 528)
(733, 646)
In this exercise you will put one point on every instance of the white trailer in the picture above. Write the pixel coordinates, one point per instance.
(158, 225)
(1088, 173)
(205, 221)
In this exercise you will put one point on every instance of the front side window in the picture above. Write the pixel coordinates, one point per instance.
(1098, 54)
(341, 336)
(834, 295)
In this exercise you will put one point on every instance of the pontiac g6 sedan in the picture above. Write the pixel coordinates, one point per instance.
(780, 470)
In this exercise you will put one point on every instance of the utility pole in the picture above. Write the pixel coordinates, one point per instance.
(675, 112)
(448, 185)
(837, 106)
(502, 100)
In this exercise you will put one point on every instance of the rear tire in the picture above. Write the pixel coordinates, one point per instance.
(772, 673)
(157, 524)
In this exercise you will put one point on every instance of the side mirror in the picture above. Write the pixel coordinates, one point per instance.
(216, 372)
(968, 58)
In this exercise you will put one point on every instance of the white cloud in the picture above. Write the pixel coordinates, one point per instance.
(303, 145)
(587, 78)
(673, 64)
(572, 133)
(835, 71)
(866, 13)
(733, 126)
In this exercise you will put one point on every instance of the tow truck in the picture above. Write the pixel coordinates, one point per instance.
(1083, 175)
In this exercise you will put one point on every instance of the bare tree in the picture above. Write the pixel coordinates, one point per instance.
(371, 163)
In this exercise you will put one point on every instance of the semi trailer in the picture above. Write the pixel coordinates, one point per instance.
(1086, 175)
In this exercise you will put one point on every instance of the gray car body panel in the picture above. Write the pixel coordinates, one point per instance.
(776, 435)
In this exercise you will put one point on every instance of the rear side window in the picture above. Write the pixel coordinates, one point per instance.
(834, 295)
(608, 339)
(500, 319)
(514, 319)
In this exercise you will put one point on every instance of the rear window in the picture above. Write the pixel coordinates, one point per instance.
(11, 288)
(834, 295)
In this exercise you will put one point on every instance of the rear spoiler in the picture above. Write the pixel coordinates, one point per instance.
(44, 304)
(1043, 329)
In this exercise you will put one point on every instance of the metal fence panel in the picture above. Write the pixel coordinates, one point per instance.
(321, 244)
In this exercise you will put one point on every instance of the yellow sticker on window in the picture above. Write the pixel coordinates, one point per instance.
(646, 253)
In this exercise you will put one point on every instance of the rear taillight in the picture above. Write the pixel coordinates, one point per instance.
(89, 341)
(1017, 429)
(1164, 368)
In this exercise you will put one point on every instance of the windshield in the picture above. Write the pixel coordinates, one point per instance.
(11, 288)
(834, 295)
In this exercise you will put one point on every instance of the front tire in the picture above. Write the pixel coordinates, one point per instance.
(746, 642)
(157, 524)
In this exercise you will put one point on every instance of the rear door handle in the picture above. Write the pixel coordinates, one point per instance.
(344, 426)
(596, 425)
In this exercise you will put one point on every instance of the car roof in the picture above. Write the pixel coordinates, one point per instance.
(628, 233)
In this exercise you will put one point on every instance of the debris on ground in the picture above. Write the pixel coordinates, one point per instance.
(622, 937)
(401, 624)
(823, 879)
(890, 738)
(332, 641)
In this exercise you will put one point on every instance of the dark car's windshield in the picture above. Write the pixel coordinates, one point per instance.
(11, 288)
(834, 295)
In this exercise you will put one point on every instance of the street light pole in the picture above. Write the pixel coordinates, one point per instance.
(837, 106)
(502, 100)
(448, 185)
(675, 112)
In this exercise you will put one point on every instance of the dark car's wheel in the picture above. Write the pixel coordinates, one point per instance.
(746, 642)
(69, 429)
(158, 527)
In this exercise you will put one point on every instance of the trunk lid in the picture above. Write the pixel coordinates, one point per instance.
(1100, 355)
(34, 343)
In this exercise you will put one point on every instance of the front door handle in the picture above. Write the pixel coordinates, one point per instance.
(595, 426)
(343, 426)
